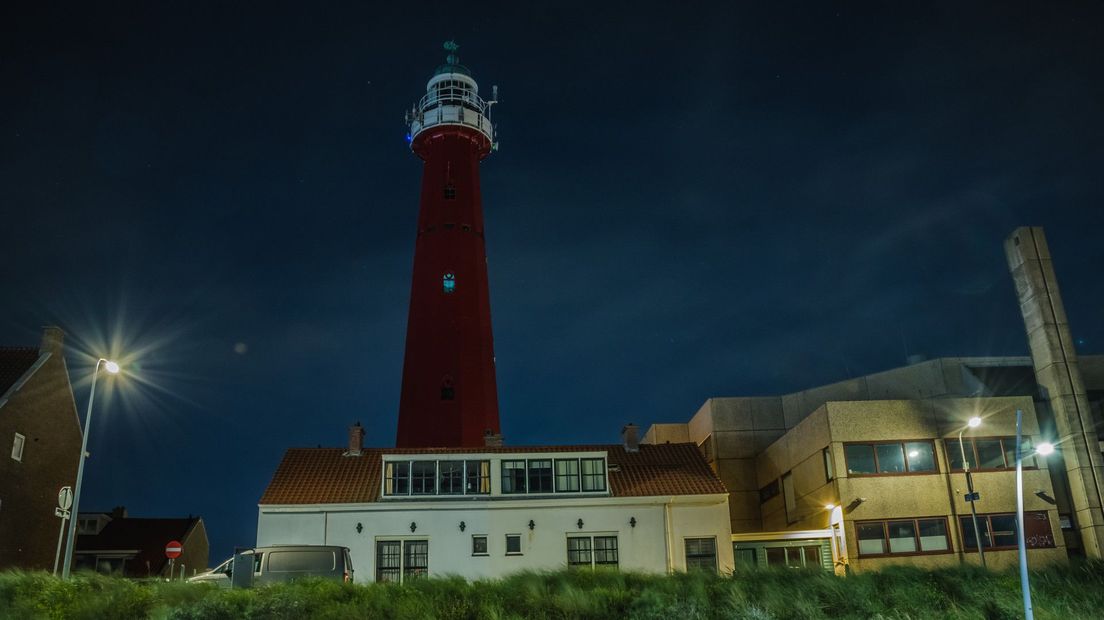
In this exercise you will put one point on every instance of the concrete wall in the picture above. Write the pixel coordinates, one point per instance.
(43, 411)
(640, 548)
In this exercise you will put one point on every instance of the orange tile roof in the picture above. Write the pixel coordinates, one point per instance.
(327, 476)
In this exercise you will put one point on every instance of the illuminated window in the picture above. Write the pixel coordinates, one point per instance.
(449, 282)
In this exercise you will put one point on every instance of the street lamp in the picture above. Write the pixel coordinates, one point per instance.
(1043, 449)
(112, 368)
(973, 422)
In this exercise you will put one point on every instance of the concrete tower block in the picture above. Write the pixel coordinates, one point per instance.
(1059, 377)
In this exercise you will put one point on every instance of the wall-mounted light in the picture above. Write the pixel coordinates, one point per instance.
(532, 525)
(829, 506)
(579, 523)
(463, 526)
(359, 528)
(632, 521)
(413, 526)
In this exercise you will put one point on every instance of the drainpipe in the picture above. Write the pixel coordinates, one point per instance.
(667, 536)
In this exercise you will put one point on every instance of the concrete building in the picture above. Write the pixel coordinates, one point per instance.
(115, 543)
(38, 422)
(490, 511)
(871, 469)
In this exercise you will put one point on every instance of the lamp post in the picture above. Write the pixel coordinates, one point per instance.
(112, 368)
(1042, 449)
(974, 422)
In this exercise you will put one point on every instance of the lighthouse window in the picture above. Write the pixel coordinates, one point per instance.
(448, 282)
(450, 192)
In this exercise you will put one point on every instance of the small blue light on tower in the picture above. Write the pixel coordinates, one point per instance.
(409, 138)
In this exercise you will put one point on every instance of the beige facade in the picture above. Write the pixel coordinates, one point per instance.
(753, 443)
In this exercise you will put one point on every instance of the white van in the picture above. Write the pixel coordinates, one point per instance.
(279, 563)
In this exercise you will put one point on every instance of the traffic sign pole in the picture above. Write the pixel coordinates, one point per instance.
(65, 501)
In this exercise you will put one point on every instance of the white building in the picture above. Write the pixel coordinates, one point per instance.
(489, 511)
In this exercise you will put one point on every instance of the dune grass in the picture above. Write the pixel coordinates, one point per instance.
(1074, 591)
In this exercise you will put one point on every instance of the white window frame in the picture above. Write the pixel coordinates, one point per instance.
(591, 536)
(402, 540)
(512, 553)
(686, 556)
(18, 443)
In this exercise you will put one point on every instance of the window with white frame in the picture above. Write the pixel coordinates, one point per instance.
(591, 551)
(567, 475)
(513, 544)
(402, 478)
(401, 560)
(479, 545)
(701, 554)
(594, 474)
(17, 447)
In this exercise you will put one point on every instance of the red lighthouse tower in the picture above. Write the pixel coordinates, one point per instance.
(449, 397)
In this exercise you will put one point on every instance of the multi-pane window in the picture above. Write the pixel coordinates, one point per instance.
(401, 560)
(450, 477)
(513, 544)
(479, 545)
(898, 457)
(998, 531)
(591, 551)
(594, 474)
(396, 479)
(567, 475)
(436, 478)
(701, 554)
(423, 475)
(540, 476)
(448, 282)
(990, 453)
(513, 476)
(902, 536)
(17, 446)
(553, 475)
(478, 477)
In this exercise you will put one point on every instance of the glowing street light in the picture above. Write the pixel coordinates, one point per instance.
(1042, 449)
(112, 368)
(973, 422)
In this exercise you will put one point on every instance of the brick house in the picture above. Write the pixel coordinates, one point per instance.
(112, 542)
(39, 424)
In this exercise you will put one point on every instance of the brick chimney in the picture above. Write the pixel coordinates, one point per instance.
(356, 440)
(630, 436)
(53, 339)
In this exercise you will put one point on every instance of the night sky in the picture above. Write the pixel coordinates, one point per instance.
(689, 201)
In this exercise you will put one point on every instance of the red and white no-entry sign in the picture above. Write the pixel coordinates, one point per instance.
(173, 549)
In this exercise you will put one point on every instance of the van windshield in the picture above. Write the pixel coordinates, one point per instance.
(301, 561)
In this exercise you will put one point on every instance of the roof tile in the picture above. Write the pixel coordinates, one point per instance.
(327, 476)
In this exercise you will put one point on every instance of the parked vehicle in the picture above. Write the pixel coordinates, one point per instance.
(279, 563)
